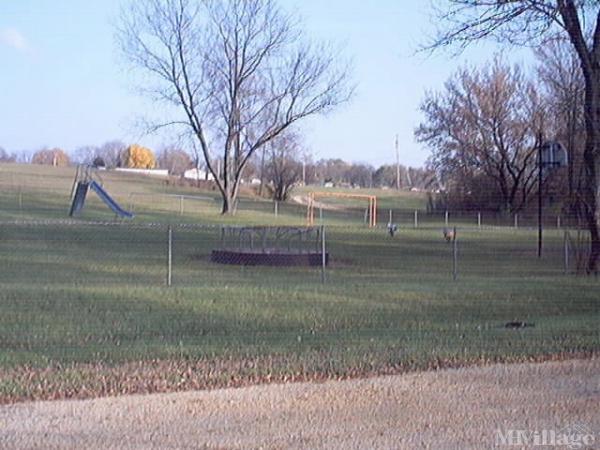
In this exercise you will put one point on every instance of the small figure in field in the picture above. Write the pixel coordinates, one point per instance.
(392, 228)
(449, 234)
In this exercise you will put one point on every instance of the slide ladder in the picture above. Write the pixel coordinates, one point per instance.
(84, 181)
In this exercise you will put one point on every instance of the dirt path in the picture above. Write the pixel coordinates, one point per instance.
(461, 408)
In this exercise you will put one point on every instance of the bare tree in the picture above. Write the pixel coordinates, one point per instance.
(530, 22)
(485, 123)
(360, 175)
(385, 176)
(174, 159)
(238, 71)
(333, 170)
(561, 76)
(7, 157)
(85, 154)
(111, 152)
(25, 156)
(283, 168)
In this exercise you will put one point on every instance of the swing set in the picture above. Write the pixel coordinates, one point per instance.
(371, 213)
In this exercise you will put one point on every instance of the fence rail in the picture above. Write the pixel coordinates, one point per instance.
(37, 202)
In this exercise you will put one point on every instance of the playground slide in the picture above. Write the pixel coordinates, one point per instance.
(109, 201)
(79, 199)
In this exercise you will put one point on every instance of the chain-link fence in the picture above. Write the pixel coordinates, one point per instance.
(77, 293)
(45, 197)
(187, 254)
(182, 297)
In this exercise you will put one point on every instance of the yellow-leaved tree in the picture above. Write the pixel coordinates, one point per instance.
(138, 157)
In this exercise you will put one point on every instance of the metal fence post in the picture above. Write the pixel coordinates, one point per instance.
(516, 224)
(169, 255)
(391, 217)
(446, 218)
(131, 201)
(479, 220)
(566, 252)
(416, 218)
(276, 208)
(558, 222)
(323, 254)
(454, 255)
(181, 205)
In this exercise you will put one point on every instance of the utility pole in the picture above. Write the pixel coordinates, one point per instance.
(540, 204)
(397, 165)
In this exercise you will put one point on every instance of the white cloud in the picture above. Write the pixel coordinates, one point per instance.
(13, 38)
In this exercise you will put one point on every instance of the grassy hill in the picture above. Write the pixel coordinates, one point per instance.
(41, 192)
(84, 309)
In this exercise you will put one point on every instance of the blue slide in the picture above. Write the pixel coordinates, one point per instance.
(109, 201)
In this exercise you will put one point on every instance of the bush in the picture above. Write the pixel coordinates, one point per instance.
(98, 162)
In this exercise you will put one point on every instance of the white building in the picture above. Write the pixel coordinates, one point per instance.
(152, 172)
(197, 174)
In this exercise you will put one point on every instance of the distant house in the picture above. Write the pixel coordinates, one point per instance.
(151, 172)
(197, 174)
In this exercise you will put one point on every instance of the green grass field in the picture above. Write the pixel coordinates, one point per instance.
(84, 309)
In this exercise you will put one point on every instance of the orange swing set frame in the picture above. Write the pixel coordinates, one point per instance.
(371, 212)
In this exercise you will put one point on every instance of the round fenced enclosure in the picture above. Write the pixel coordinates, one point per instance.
(272, 246)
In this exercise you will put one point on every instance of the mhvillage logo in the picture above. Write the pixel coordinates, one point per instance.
(571, 437)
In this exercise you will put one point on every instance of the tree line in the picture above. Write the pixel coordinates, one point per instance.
(109, 155)
(484, 129)
(576, 25)
(281, 166)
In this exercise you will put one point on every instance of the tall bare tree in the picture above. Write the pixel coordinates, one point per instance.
(239, 72)
(531, 22)
(111, 152)
(485, 123)
(562, 79)
(174, 159)
(283, 166)
(85, 154)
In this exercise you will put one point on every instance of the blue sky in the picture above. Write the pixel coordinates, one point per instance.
(62, 82)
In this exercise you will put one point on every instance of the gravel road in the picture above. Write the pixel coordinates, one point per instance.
(460, 408)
